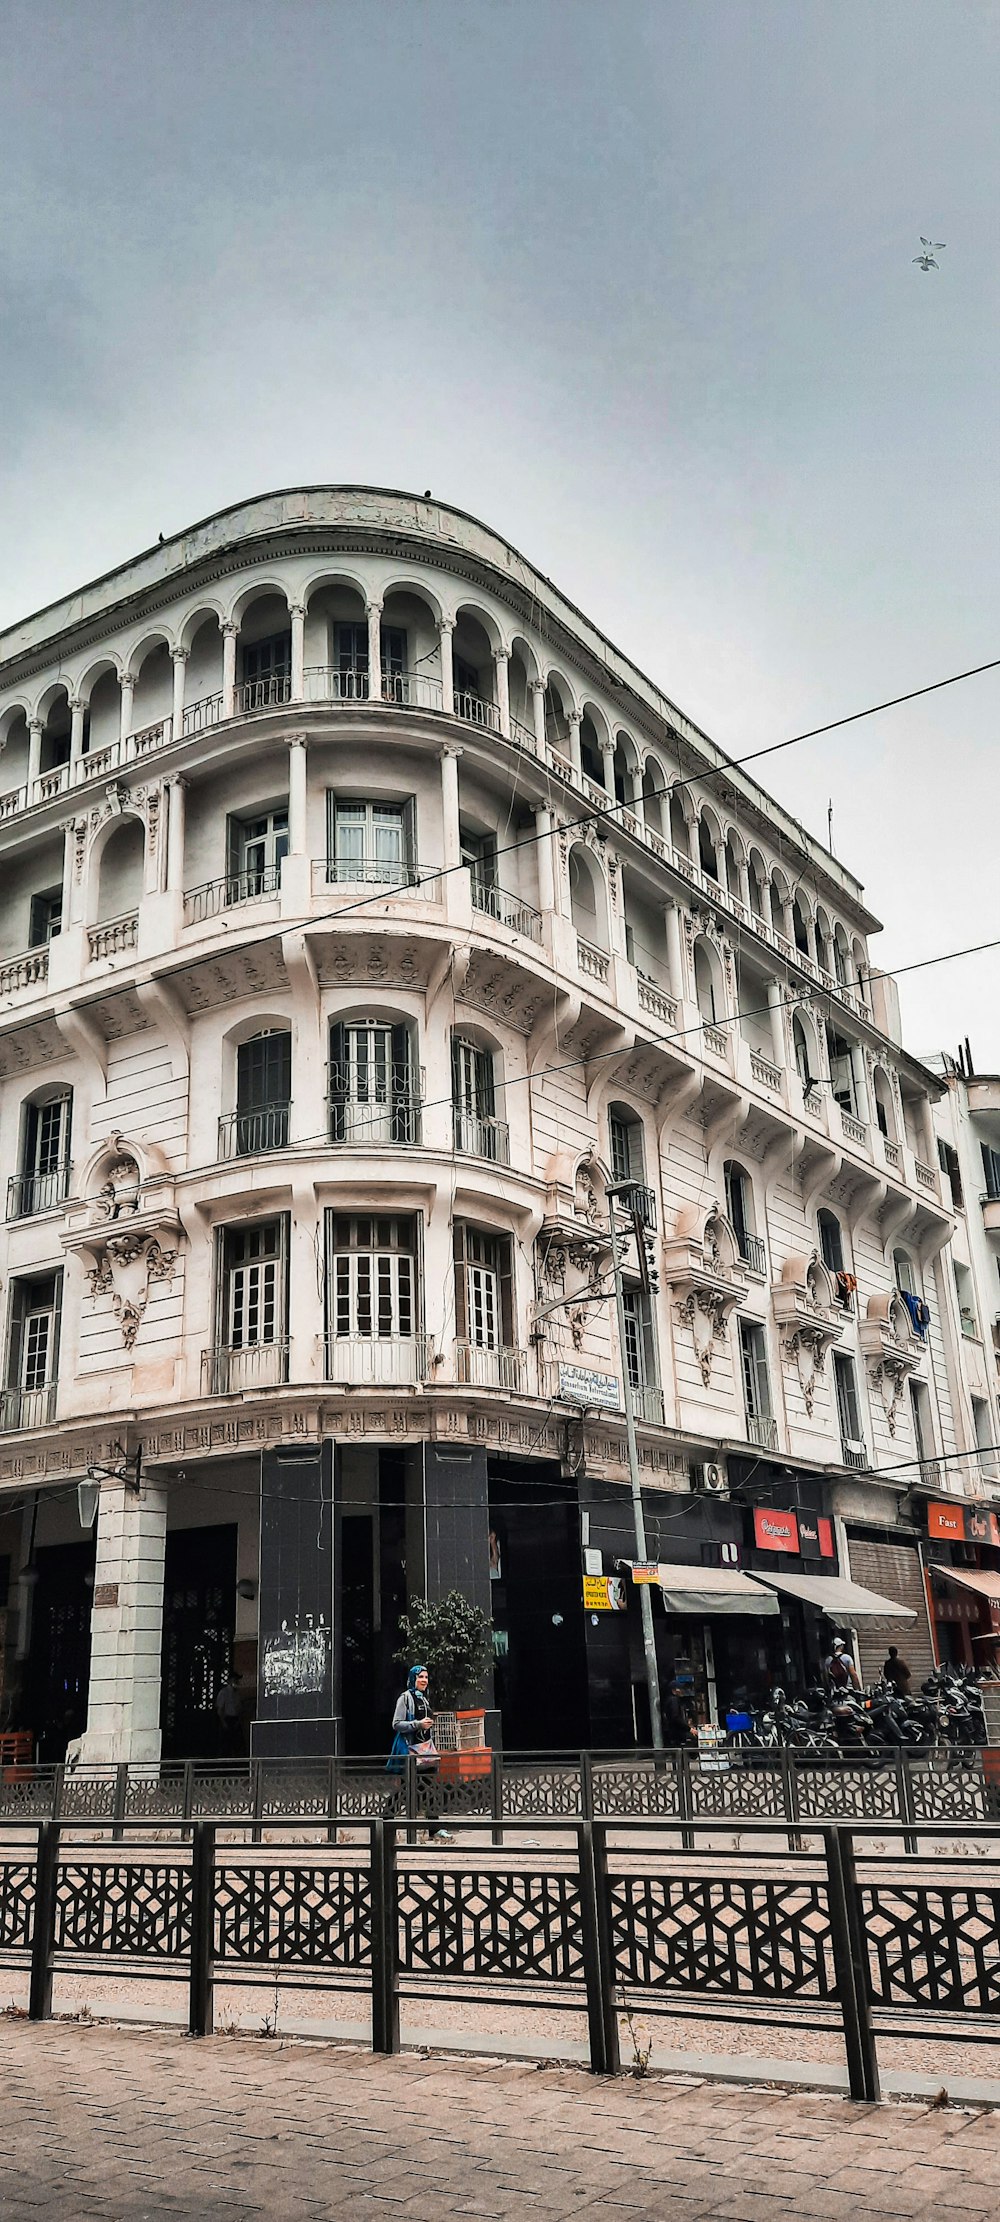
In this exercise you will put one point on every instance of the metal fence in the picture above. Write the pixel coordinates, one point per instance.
(787, 1788)
(836, 1936)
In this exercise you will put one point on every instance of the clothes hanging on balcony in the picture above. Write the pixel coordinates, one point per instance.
(847, 1289)
(920, 1315)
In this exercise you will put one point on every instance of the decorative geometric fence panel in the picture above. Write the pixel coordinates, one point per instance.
(639, 1790)
(483, 1923)
(127, 1906)
(17, 1902)
(755, 1793)
(933, 1945)
(541, 1793)
(848, 1793)
(942, 1791)
(302, 1914)
(772, 1939)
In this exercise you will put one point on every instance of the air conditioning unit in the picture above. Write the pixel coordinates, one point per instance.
(711, 1479)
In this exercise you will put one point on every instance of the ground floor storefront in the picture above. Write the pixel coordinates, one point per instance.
(282, 1576)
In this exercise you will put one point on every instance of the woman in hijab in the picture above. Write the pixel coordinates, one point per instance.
(413, 1725)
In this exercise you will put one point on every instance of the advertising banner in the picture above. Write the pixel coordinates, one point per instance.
(604, 1593)
(775, 1531)
(947, 1520)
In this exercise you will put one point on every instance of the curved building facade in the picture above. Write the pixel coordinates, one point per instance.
(366, 914)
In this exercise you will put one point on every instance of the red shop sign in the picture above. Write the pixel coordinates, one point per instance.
(946, 1520)
(776, 1531)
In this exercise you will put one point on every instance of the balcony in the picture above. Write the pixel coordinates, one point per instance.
(762, 1430)
(28, 1407)
(327, 683)
(766, 1074)
(716, 1041)
(596, 963)
(214, 896)
(478, 1137)
(253, 1133)
(379, 1361)
(375, 1107)
(199, 717)
(491, 1369)
(263, 694)
(753, 1252)
(854, 1129)
(658, 1005)
(365, 871)
(508, 910)
(473, 709)
(991, 1213)
(28, 1193)
(230, 1369)
(114, 938)
(647, 1403)
(29, 971)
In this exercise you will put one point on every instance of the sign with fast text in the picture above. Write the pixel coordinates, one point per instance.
(947, 1520)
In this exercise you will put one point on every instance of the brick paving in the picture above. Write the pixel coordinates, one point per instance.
(111, 2125)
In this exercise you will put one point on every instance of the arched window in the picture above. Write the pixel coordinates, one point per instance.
(831, 1240)
(679, 825)
(800, 1043)
(625, 1144)
(907, 1279)
(885, 1110)
(586, 894)
(842, 1078)
(121, 871)
(706, 850)
(43, 1181)
(706, 987)
(263, 1096)
(740, 1213)
(477, 1130)
(374, 1083)
(799, 932)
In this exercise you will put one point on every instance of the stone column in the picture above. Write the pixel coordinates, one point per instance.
(538, 713)
(575, 721)
(776, 1014)
(608, 767)
(35, 731)
(127, 692)
(69, 845)
(178, 657)
(230, 635)
(451, 829)
(297, 614)
(123, 1715)
(546, 872)
(77, 713)
(176, 791)
(675, 958)
(374, 614)
(446, 634)
(298, 833)
(500, 660)
(744, 870)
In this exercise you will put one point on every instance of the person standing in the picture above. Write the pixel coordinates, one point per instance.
(839, 1668)
(413, 1725)
(897, 1672)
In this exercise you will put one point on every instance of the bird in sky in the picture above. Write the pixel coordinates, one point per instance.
(930, 247)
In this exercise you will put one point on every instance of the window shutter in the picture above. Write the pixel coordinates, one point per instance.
(338, 1079)
(505, 1263)
(52, 1367)
(484, 1084)
(456, 1073)
(30, 1158)
(16, 1334)
(234, 848)
(410, 832)
(461, 1306)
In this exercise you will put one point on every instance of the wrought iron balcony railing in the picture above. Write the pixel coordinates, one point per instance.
(234, 887)
(371, 1106)
(31, 1192)
(232, 1367)
(479, 1137)
(253, 1133)
(502, 1368)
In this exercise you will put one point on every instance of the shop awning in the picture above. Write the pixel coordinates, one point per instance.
(711, 1590)
(840, 1599)
(985, 1583)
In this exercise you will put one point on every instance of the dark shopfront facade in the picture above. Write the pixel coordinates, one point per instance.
(962, 1556)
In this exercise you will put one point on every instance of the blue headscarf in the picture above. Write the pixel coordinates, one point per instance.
(411, 1679)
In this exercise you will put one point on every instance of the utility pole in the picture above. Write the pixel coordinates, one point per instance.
(632, 1196)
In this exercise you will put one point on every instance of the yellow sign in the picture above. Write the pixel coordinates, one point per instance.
(649, 1572)
(604, 1593)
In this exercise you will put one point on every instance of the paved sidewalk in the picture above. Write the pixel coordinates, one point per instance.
(106, 2125)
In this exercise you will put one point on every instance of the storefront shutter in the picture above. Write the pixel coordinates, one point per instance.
(893, 1570)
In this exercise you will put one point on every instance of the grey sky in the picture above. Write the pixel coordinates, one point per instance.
(632, 282)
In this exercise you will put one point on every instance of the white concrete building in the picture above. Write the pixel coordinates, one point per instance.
(365, 912)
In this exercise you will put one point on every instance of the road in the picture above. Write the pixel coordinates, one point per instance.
(106, 2125)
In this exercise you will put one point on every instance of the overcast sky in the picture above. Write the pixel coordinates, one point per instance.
(630, 281)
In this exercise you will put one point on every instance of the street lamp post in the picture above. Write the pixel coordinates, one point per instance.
(639, 1222)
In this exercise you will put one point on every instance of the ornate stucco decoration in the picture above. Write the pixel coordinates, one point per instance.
(702, 1265)
(892, 1350)
(806, 1310)
(127, 1226)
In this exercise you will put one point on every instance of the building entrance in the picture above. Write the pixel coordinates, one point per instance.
(54, 1705)
(199, 1618)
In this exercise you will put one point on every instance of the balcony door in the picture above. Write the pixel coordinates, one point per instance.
(372, 1090)
(473, 1098)
(263, 1093)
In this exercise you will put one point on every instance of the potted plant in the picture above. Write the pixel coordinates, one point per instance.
(454, 1641)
